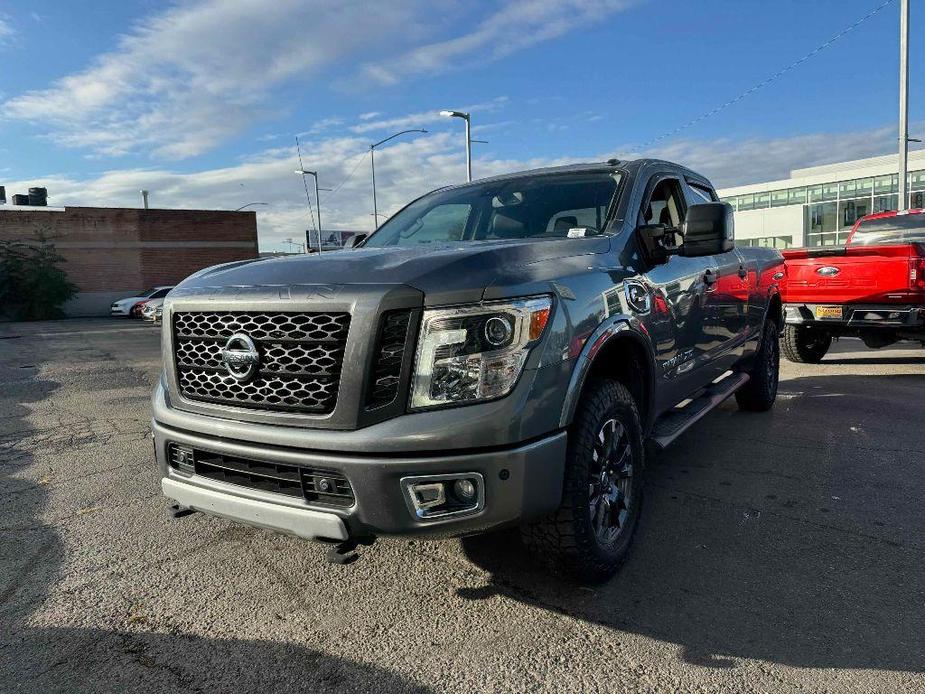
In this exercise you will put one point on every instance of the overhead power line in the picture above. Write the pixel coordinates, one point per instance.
(768, 80)
(352, 171)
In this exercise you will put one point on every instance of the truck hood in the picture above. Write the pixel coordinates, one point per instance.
(444, 273)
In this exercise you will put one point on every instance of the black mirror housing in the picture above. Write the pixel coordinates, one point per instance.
(709, 229)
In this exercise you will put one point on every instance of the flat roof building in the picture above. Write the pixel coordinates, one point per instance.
(112, 253)
(817, 206)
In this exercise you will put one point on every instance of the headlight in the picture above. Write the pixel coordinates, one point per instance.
(472, 353)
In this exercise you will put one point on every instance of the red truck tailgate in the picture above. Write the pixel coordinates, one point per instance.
(856, 274)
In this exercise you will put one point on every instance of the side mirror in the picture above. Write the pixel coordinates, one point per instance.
(355, 240)
(659, 241)
(709, 229)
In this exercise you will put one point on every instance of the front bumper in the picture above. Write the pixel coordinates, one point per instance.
(522, 482)
(858, 316)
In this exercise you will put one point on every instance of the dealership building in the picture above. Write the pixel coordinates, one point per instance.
(112, 253)
(818, 206)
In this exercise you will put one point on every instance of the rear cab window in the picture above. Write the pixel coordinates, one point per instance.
(898, 229)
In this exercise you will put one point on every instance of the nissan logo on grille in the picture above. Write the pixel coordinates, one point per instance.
(240, 357)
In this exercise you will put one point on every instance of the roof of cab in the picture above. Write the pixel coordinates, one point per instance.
(631, 166)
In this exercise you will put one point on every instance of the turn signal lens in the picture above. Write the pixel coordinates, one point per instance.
(538, 320)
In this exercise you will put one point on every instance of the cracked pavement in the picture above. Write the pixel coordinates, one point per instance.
(777, 552)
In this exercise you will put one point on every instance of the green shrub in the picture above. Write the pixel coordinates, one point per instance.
(32, 286)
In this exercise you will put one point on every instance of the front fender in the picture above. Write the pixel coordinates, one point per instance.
(616, 327)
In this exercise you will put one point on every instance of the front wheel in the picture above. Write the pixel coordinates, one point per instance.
(589, 536)
(804, 345)
(760, 392)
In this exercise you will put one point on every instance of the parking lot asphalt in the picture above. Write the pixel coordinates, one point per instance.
(777, 552)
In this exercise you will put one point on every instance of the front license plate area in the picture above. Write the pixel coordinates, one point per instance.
(829, 312)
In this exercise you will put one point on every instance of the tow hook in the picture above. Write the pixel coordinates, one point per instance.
(344, 553)
(177, 511)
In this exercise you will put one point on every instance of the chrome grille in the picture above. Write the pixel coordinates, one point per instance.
(310, 327)
(300, 358)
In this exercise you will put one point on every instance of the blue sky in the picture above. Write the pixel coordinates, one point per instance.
(200, 101)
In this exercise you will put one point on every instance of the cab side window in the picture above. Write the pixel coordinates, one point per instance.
(665, 205)
(701, 193)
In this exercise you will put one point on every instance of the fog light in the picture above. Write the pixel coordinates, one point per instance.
(464, 490)
(427, 496)
(437, 496)
(181, 458)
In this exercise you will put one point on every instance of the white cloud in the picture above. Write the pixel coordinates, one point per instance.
(729, 162)
(416, 120)
(191, 76)
(184, 80)
(6, 31)
(322, 125)
(514, 27)
(409, 169)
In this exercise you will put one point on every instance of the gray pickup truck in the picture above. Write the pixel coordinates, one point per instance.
(500, 353)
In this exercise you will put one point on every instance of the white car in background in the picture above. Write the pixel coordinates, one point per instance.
(123, 307)
(152, 309)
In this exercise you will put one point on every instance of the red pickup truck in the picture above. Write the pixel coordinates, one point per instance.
(872, 288)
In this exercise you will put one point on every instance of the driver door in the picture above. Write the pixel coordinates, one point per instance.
(680, 287)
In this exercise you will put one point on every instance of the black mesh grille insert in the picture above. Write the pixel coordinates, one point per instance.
(385, 377)
(300, 358)
(311, 484)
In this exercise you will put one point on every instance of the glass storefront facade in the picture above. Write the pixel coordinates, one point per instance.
(831, 209)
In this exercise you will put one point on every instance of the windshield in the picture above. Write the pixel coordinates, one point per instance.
(532, 207)
(901, 228)
(147, 292)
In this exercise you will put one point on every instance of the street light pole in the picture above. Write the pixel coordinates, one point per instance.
(465, 117)
(903, 103)
(250, 204)
(314, 174)
(372, 163)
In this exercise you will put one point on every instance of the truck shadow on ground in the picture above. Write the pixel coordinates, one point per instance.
(911, 360)
(35, 657)
(766, 537)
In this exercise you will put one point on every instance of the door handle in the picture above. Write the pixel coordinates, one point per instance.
(743, 273)
(709, 278)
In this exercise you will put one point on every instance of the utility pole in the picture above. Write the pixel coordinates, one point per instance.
(903, 103)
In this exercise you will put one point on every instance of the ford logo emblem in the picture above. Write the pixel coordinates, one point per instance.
(240, 357)
(828, 271)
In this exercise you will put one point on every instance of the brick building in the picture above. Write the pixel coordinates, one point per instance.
(112, 253)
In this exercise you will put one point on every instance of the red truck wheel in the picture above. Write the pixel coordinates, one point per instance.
(804, 345)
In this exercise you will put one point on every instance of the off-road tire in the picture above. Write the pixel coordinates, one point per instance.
(760, 392)
(803, 345)
(566, 540)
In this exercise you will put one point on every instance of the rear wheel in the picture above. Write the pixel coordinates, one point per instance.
(805, 345)
(589, 536)
(759, 394)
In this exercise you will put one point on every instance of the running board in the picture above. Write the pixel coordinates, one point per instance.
(675, 422)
